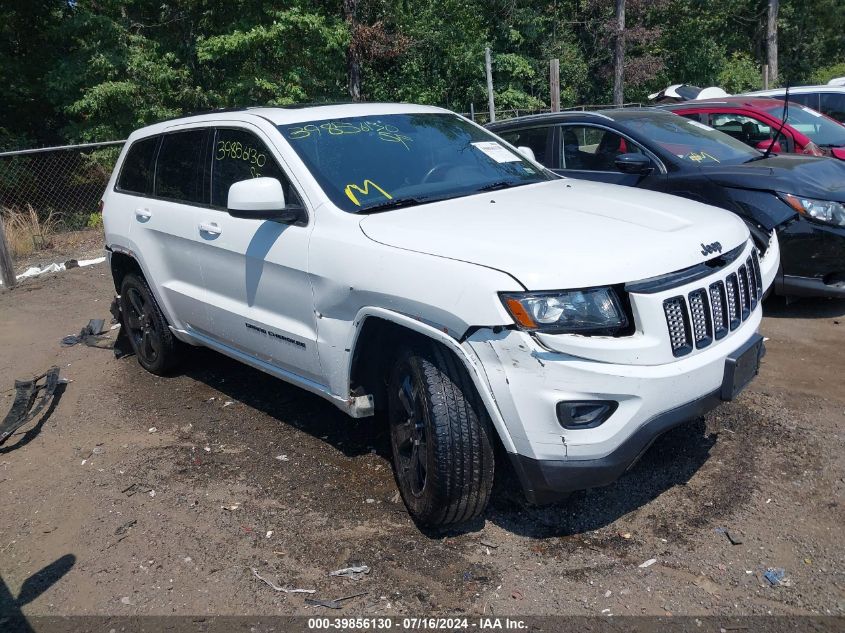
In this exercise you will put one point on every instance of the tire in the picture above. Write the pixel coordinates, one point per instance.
(440, 435)
(152, 341)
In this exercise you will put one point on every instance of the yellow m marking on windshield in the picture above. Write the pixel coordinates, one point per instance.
(364, 190)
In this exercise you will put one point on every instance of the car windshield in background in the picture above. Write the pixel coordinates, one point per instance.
(371, 163)
(818, 128)
(691, 141)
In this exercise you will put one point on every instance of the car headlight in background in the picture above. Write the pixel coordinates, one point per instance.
(826, 211)
(589, 311)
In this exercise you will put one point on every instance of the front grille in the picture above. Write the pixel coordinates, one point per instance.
(678, 322)
(708, 314)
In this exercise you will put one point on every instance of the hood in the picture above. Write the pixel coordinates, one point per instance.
(564, 233)
(810, 176)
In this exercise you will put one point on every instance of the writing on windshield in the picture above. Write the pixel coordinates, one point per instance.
(405, 159)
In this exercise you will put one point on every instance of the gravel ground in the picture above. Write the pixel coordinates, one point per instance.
(160, 496)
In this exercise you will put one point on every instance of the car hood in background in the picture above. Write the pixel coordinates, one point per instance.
(563, 233)
(810, 176)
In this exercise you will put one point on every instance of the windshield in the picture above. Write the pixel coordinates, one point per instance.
(378, 162)
(691, 141)
(818, 128)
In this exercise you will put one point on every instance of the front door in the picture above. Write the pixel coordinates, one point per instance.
(259, 293)
(589, 152)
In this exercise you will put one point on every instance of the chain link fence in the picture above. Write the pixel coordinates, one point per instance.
(59, 187)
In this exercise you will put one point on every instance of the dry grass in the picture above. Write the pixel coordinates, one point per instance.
(25, 232)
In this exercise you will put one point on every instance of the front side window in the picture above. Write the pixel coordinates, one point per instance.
(240, 155)
(376, 162)
(182, 172)
(588, 148)
(744, 128)
(533, 137)
(136, 175)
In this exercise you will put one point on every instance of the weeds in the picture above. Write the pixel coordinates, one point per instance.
(25, 232)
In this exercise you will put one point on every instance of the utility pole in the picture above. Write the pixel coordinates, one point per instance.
(491, 103)
(554, 84)
(619, 55)
(772, 40)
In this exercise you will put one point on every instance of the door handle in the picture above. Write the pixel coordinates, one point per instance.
(143, 214)
(212, 228)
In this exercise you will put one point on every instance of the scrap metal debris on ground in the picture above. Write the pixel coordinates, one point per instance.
(90, 335)
(25, 408)
(276, 587)
(332, 604)
(356, 572)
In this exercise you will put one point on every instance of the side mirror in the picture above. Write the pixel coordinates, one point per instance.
(527, 152)
(764, 145)
(263, 199)
(633, 163)
(838, 152)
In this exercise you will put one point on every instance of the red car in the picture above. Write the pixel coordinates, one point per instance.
(756, 120)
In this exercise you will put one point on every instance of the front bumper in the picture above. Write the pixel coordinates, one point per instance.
(549, 480)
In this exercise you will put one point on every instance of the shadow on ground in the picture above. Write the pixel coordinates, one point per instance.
(673, 459)
(779, 308)
(12, 618)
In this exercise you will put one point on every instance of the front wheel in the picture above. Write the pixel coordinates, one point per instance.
(440, 435)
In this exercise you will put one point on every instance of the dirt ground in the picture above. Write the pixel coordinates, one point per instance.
(150, 495)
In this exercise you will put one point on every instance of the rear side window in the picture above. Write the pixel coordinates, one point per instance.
(240, 155)
(136, 175)
(182, 170)
(833, 105)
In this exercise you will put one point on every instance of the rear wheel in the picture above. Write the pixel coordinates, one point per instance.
(440, 435)
(151, 339)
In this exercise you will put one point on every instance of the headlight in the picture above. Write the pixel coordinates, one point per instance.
(826, 211)
(589, 311)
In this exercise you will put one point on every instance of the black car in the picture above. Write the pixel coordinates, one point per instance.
(801, 197)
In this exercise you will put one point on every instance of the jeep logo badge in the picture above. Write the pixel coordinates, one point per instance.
(709, 249)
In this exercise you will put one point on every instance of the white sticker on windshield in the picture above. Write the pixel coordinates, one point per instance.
(497, 152)
(702, 126)
(810, 111)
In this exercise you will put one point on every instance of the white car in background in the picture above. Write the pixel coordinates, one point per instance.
(400, 258)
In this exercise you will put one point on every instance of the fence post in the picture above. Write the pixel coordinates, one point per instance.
(490, 101)
(7, 268)
(554, 84)
(765, 76)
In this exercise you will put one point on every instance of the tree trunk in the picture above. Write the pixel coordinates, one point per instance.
(353, 55)
(619, 55)
(772, 41)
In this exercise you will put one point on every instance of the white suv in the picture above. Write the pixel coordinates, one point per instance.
(401, 258)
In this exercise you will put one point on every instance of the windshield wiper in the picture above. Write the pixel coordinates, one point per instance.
(395, 203)
(755, 158)
(829, 145)
(500, 184)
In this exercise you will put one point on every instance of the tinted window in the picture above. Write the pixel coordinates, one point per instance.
(743, 128)
(534, 137)
(407, 159)
(240, 155)
(589, 148)
(136, 175)
(689, 141)
(833, 105)
(182, 167)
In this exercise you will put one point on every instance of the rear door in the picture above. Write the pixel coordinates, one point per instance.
(260, 298)
(164, 225)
